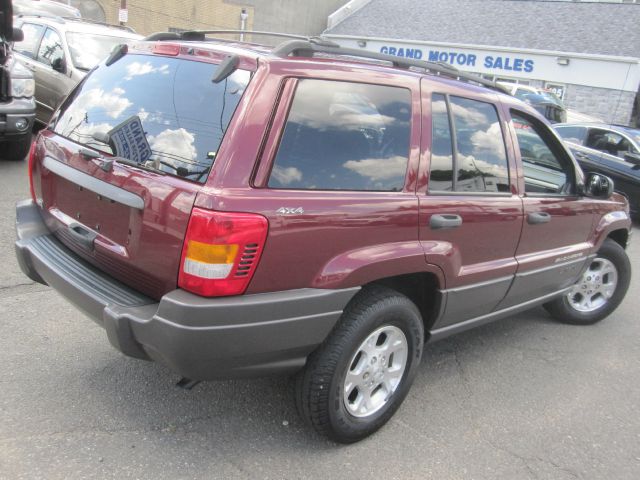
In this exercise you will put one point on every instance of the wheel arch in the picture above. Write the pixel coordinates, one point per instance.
(422, 288)
(620, 236)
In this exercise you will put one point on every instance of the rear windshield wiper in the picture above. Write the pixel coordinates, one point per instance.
(125, 161)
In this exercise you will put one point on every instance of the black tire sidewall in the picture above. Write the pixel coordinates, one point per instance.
(562, 309)
(395, 311)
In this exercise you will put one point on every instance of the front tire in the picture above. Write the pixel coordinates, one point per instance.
(599, 291)
(356, 380)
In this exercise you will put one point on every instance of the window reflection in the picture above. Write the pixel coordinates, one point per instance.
(344, 136)
(50, 48)
(88, 49)
(183, 114)
(543, 170)
(441, 168)
(482, 158)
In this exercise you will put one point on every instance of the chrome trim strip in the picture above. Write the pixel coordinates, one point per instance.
(527, 273)
(100, 187)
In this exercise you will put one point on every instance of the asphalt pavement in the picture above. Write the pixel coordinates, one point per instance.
(522, 398)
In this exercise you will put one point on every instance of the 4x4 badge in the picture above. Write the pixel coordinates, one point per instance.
(290, 211)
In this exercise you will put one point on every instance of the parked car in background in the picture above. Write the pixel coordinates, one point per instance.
(548, 107)
(569, 116)
(17, 106)
(612, 150)
(61, 51)
(44, 7)
(546, 102)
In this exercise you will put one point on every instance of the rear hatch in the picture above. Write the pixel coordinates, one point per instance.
(118, 169)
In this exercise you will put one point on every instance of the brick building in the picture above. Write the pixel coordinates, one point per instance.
(148, 16)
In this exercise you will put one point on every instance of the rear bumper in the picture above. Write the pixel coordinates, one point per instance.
(15, 110)
(199, 338)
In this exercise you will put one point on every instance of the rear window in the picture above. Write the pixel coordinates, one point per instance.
(162, 113)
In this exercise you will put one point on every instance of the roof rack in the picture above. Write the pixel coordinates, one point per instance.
(302, 48)
(50, 16)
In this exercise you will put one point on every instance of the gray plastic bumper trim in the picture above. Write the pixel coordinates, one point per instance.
(199, 338)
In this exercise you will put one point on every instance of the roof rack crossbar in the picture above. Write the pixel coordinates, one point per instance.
(308, 49)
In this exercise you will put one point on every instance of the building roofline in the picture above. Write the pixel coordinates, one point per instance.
(551, 53)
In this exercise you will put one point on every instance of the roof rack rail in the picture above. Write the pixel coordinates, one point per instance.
(57, 18)
(309, 48)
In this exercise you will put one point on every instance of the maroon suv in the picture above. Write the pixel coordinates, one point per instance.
(234, 210)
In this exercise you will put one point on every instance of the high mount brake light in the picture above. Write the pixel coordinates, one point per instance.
(221, 252)
(166, 49)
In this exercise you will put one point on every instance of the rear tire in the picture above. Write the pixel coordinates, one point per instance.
(16, 150)
(356, 380)
(599, 291)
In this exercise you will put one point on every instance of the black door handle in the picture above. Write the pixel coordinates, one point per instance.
(82, 235)
(445, 220)
(536, 218)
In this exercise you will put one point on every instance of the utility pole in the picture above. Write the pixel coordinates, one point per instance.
(123, 13)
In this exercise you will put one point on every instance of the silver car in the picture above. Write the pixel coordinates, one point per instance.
(60, 51)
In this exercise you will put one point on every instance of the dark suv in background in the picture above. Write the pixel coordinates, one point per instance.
(231, 210)
(17, 106)
(612, 150)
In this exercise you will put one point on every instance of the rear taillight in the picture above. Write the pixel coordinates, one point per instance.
(32, 161)
(221, 252)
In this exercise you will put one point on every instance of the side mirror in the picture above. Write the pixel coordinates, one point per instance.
(598, 186)
(59, 65)
(633, 158)
(17, 35)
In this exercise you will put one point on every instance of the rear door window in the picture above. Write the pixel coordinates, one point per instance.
(441, 171)
(472, 157)
(344, 136)
(164, 114)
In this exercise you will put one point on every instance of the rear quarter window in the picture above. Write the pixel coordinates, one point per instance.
(344, 136)
(162, 113)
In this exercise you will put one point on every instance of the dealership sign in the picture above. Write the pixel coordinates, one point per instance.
(602, 71)
(462, 59)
